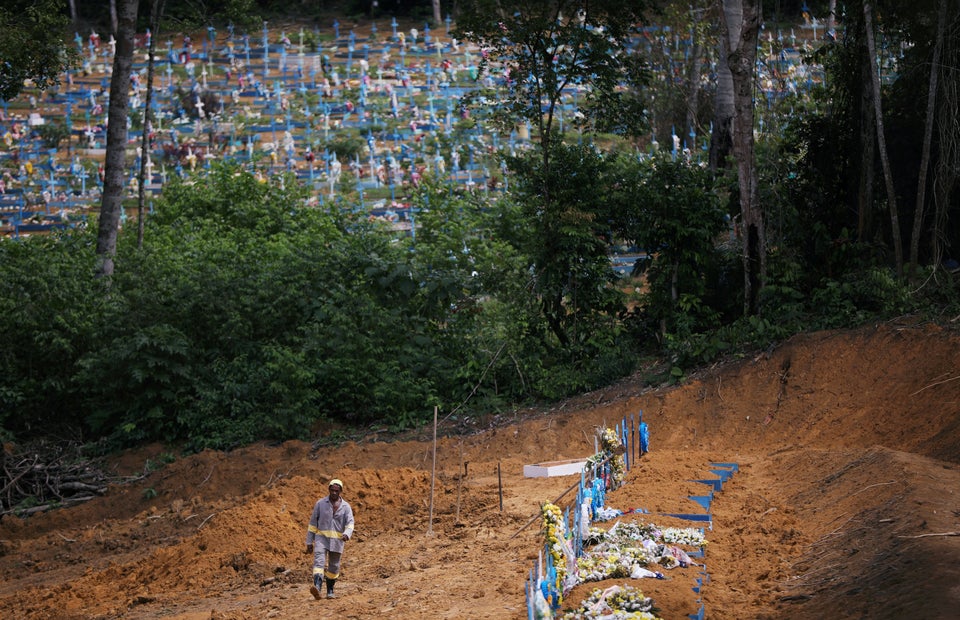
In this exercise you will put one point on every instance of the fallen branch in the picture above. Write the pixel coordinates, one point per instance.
(43, 476)
(879, 484)
(204, 522)
(212, 467)
(936, 383)
(932, 534)
(14, 479)
(83, 486)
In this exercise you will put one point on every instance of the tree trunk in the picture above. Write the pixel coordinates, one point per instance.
(831, 24)
(111, 202)
(73, 11)
(437, 18)
(113, 17)
(156, 9)
(868, 144)
(882, 141)
(742, 61)
(721, 138)
(920, 208)
(693, 78)
(948, 142)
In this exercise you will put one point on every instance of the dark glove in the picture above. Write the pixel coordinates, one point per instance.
(309, 549)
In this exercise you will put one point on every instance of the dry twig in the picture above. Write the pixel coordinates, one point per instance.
(935, 383)
(204, 522)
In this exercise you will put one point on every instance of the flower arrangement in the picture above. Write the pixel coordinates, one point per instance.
(611, 563)
(554, 531)
(614, 603)
(683, 536)
(648, 531)
(627, 549)
(593, 536)
(612, 446)
(605, 514)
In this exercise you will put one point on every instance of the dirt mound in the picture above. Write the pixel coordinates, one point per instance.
(845, 504)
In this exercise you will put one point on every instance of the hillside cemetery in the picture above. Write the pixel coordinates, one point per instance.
(359, 114)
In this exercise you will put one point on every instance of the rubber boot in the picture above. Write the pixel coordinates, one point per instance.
(317, 584)
(330, 583)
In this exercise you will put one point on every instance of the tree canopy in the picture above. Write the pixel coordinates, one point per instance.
(32, 46)
(252, 311)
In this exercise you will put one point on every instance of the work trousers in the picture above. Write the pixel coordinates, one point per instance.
(326, 563)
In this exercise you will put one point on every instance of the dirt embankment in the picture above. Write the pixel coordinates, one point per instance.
(846, 504)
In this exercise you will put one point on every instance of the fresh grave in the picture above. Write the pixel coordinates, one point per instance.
(577, 552)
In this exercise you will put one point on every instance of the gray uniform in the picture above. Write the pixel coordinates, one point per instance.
(326, 531)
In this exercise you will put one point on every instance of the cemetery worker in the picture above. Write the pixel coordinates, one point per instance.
(331, 525)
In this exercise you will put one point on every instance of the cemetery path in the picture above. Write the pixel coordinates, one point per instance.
(846, 503)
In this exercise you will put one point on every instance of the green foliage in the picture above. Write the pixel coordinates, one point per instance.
(32, 45)
(252, 314)
(266, 394)
(52, 309)
(858, 296)
(346, 147)
(546, 46)
(669, 209)
(565, 206)
(248, 315)
(187, 16)
(135, 384)
(313, 41)
(155, 465)
(52, 134)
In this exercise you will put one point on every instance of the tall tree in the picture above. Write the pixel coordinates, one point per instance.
(831, 25)
(156, 10)
(947, 176)
(935, 69)
(542, 49)
(692, 122)
(740, 27)
(721, 140)
(868, 145)
(111, 203)
(882, 140)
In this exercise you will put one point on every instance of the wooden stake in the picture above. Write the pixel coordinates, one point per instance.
(500, 485)
(433, 473)
(460, 481)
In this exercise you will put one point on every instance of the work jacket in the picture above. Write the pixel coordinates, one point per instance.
(327, 527)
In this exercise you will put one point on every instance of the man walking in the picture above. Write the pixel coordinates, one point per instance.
(331, 525)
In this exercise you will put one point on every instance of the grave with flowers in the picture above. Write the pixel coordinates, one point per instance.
(580, 548)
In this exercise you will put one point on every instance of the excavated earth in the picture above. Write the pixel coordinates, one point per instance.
(846, 503)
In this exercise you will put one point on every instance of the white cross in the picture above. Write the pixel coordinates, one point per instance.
(199, 106)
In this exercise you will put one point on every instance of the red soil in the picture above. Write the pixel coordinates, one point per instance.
(847, 503)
